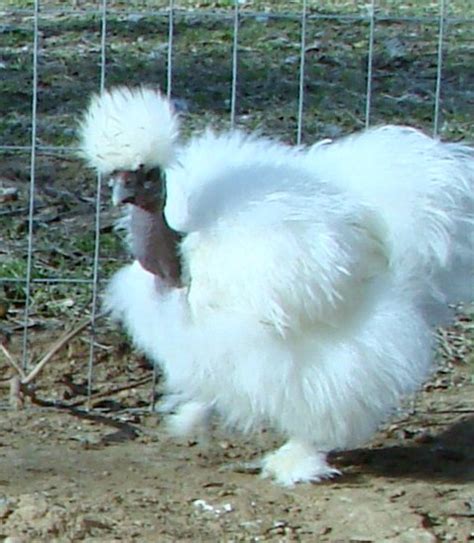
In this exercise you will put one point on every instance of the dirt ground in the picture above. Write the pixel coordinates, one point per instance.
(113, 474)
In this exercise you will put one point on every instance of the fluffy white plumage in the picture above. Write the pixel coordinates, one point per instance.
(126, 128)
(310, 273)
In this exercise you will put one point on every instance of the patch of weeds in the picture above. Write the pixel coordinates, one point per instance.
(14, 270)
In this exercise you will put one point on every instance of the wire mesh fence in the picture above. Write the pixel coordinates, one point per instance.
(299, 70)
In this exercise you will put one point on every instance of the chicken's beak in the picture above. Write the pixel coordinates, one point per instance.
(124, 187)
(143, 188)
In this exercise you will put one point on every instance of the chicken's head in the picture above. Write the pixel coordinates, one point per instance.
(130, 135)
(143, 188)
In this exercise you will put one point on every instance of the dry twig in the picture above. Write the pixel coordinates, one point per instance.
(16, 395)
(9, 358)
(111, 392)
(56, 347)
(62, 341)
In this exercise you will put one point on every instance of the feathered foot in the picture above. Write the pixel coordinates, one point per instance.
(297, 462)
(190, 420)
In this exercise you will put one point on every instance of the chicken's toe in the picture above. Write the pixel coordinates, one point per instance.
(297, 462)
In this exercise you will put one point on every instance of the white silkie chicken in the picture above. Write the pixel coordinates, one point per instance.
(283, 287)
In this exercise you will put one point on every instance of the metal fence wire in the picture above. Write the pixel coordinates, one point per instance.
(299, 70)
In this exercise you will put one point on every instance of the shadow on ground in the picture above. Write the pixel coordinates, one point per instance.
(448, 456)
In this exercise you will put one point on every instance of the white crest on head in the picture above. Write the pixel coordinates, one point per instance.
(124, 128)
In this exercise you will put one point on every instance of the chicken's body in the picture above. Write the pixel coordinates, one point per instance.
(309, 277)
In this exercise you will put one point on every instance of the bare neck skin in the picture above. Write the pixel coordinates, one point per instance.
(154, 244)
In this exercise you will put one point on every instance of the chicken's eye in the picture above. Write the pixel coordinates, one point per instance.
(155, 175)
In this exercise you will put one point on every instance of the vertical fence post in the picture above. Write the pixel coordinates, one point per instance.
(370, 58)
(299, 132)
(95, 269)
(439, 66)
(169, 64)
(235, 46)
(31, 204)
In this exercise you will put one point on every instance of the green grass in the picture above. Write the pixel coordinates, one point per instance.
(267, 98)
(403, 86)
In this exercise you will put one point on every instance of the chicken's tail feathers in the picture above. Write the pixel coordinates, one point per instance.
(422, 190)
(446, 245)
(125, 128)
